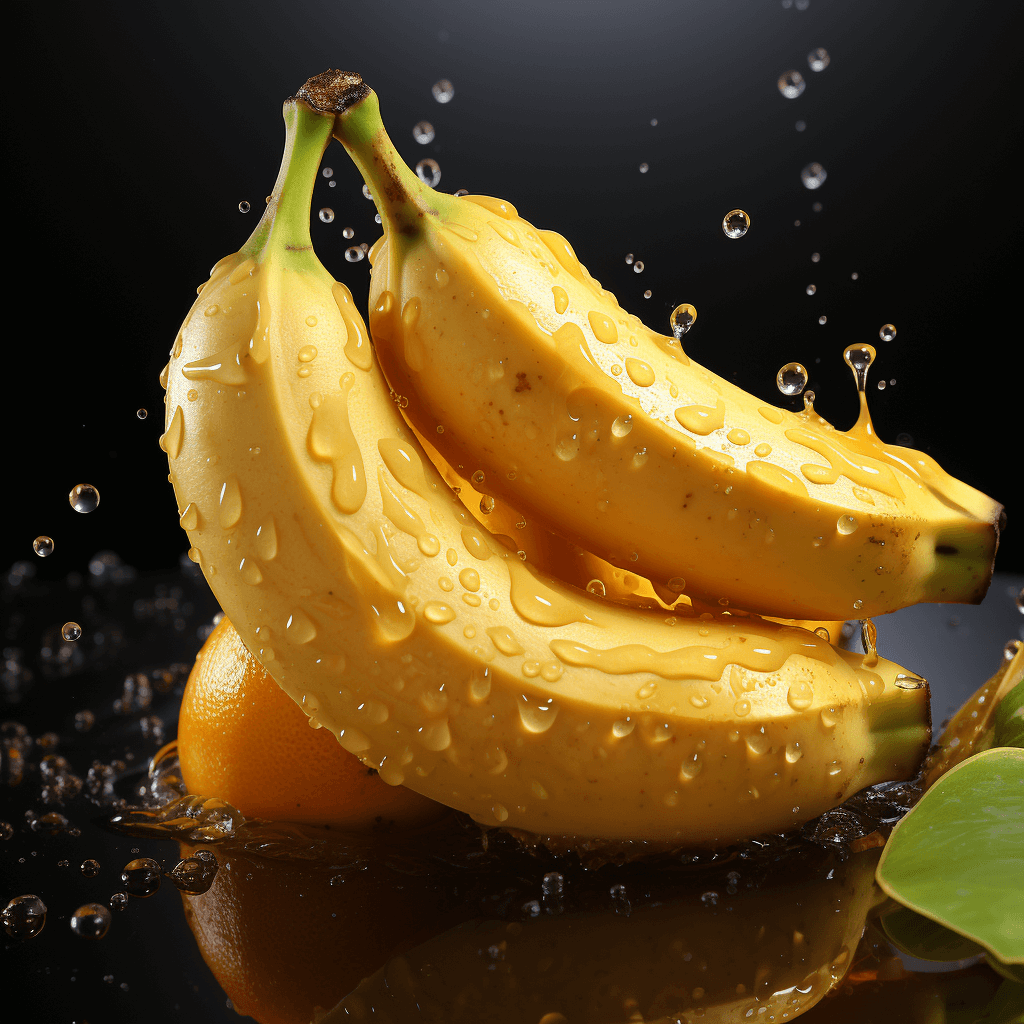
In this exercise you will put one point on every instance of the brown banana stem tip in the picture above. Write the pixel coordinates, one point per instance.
(333, 92)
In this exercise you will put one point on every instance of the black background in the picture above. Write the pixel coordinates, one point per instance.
(134, 130)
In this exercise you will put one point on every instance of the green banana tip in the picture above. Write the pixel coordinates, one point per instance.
(333, 92)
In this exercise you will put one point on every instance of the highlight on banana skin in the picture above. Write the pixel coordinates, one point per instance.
(518, 552)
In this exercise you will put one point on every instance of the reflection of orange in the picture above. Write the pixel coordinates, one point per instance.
(242, 739)
(287, 939)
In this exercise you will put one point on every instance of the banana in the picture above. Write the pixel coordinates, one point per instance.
(522, 369)
(428, 647)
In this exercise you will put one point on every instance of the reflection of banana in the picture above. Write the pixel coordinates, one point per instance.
(523, 369)
(763, 955)
(431, 650)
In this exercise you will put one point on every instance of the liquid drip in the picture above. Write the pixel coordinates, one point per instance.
(330, 439)
(702, 419)
(405, 518)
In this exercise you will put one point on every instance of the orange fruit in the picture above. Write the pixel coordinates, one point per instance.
(243, 739)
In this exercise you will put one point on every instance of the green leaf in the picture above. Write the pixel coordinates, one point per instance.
(958, 856)
(922, 937)
(1009, 718)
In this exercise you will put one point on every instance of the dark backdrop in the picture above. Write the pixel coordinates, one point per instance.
(134, 131)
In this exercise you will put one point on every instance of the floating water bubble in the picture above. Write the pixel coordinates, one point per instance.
(811, 289)
(429, 171)
(682, 318)
(791, 379)
(423, 132)
(326, 214)
(141, 877)
(791, 84)
(801, 126)
(859, 359)
(328, 172)
(348, 233)
(91, 921)
(644, 168)
(367, 194)
(43, 546)
(24, 917)
(244, 207)
(90, 867)
(815, 257)
(638, 267)
(813, 176)
(735, 224)
(141, 413)
(84, 498)
(376, 218)
(818, 59)
(887, 332)
(647, 294)
(854, 276)
(654, 122)
(354, 254)
(194, 875)
(71, 631)
(816, 207)
(881, 385)
(823, 320)
(118, 901)
(443, 91)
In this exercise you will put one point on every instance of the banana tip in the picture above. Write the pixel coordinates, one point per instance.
(333, 92)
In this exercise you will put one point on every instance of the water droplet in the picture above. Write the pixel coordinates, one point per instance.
(828, 717)
(818, 59)
(638, 267)
(71, 631)
(596, 587)
(859, 359)
(690, 768)
(443, 91)
(354, 254)
(90, 867)
(793, 752)
(43, 546)
(539, 717)
(682, 319)
(854, 276)
(834, 768)
(326, 214)
(735, 224)
(118, 901)
(847, 524)
(887, 332)
(824, 634)
(811, 289)
(800, 695)
(141, 877)
(622, 728)
(647, 294)
(243, 207)
(791, 84)
(910, 681)
(822, 320)
(857, 605)
(813, 176)
(429, 171)
(194, 875)
(791, 379)
(367, 194)
(328, 172)
(644, 168)
(629, 259)
(84, 498)
(24, 917)
(423, 132)
(91, 921)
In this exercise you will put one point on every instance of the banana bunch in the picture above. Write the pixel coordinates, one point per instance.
(526, 373)
(425, 643)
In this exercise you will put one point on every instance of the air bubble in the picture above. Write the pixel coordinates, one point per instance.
(326, 214)
(791, 379)
(91, 921)
(443, 91)
(429, 172)
(818, 59)
(887, 332)
(735, 224)
(243, 207)
(141, 877)
(24, 917)
(84, 498)
(813, 176)
(354, 254)
(638, 267)
(43, 546)
(90, 867)
(71, 631)
(423, 132)
(194, 875)
(791, 84)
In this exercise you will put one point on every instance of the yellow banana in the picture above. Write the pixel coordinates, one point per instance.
(526, 373)
(429, 648)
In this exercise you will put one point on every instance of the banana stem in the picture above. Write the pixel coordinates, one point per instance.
(283, 230)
